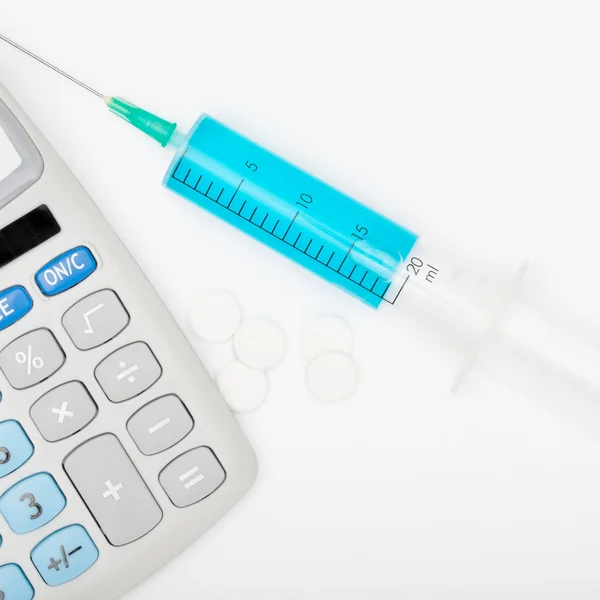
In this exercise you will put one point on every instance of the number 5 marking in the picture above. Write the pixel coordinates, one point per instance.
(32, 504)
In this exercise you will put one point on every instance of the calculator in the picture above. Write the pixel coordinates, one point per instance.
(116, 449)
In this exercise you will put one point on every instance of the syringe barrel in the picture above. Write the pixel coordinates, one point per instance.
(383, 263)
(296, 214)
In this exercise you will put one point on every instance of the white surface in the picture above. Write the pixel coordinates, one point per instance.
(326, 333)
(215, 315)
(332, 377)
(9, 159)
(260, 343)
(479, 119)
(243, 387)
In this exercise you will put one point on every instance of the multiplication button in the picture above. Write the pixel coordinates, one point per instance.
(63, 411)
(128, 372)
(32, 358)
(113, 490)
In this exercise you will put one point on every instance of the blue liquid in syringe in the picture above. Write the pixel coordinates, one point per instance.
(294, 213)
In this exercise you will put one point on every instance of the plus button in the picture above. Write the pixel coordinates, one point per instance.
(112, 490)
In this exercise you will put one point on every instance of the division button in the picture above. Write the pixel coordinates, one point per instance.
(32, 358)
(63, 411)
(64, 555)
(95, 320)
(112, 489)
(128, 372)
(160, 424)
(192, 477)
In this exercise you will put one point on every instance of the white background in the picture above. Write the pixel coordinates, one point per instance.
(481, 120)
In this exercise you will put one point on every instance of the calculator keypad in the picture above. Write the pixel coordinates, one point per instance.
(63, 411)
(192, 477)
(95, 320)
(64, 555)
(14, 584)
(128, 372)
(160, 424)
(32, 358)
(15, 447)
(100, 469)
(113, 489)
(32, 503)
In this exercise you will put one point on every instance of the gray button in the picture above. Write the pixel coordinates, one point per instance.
(95, 320)
(128, 372)
(192, 476)
(160, 424)
(31, 358)
(63, 411)
(113, 490)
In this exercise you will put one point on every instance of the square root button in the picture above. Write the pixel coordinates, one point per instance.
(95, 320)
(192, 477)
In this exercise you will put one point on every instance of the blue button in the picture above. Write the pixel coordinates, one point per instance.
(15, 303)
(15, 447)
(65, 271)
(13, 583)
(31, 503)
(64, 555)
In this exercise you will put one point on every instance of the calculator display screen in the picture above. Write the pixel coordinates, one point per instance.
(27, 233)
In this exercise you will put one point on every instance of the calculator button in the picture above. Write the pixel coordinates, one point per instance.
(113, 490)
(31, 503)
(13, 584)
(128, 372)
(66, 271)
(15, 447)
(160, 424)
(63, 411)
(15, 303)
(64, 555)
(192, 477)
(95, 320)
(31, 358)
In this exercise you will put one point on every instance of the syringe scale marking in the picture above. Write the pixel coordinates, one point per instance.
(369, 287)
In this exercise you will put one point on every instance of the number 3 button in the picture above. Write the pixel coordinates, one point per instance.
(32, 503)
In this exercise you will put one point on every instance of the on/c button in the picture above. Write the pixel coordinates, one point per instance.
(66, 271)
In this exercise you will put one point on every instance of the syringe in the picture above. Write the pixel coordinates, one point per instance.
(386, 265)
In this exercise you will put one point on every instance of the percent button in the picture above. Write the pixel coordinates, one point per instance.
(32, 358)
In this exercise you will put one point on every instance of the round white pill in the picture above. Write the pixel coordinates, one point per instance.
(260, 343)
(243, 388)
(332, 377)
(215, 315)
(326, 333)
